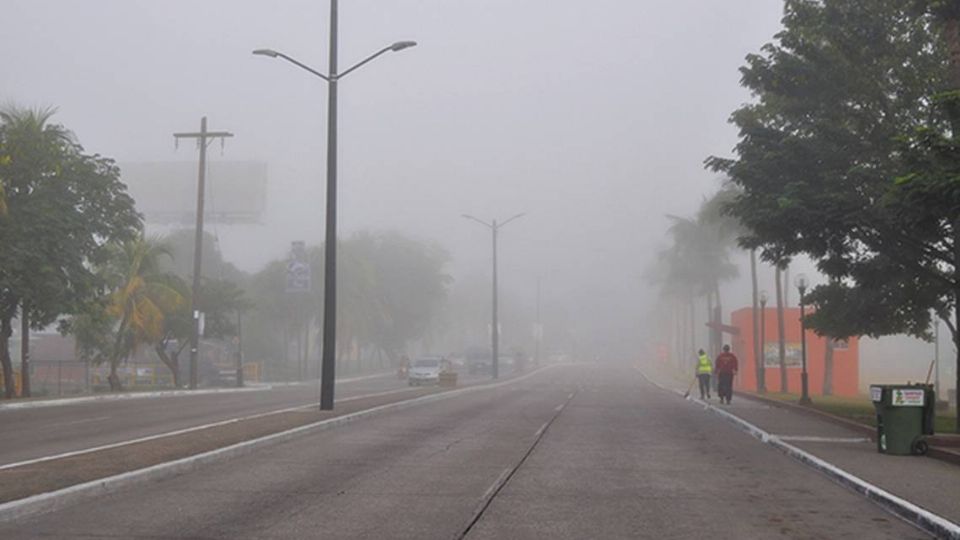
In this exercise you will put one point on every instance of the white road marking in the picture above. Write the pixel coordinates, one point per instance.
(810, 438)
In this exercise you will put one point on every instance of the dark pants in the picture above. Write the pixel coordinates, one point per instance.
(725, 386)
(704, 379)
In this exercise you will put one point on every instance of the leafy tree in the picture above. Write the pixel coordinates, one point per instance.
(220, 301)
(390, 289)
(847, 156)
(62, 208)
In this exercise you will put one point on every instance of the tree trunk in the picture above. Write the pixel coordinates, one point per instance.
(678, 333)
(306, 350)
(780, 332)
(24, 351)
(286, 349)
(717, 319)
(711, 346)
(113, 378)
(693, 334)
(955, 331)
(172, 362)
(828, 368)
(6, 330)
(755, 319)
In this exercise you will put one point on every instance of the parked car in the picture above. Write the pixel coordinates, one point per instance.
(425, 370)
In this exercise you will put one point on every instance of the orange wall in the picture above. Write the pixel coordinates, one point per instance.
(845, 361)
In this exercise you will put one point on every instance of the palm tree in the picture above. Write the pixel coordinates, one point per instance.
(704, 250)
(142, 297)
(694, 265)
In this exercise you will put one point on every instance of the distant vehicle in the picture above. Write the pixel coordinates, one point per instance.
(483, 366)
(477, 360)
(425, 370)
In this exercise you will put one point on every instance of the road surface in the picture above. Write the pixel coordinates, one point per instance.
(573, 452)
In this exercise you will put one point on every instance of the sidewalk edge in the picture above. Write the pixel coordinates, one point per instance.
(153, 394)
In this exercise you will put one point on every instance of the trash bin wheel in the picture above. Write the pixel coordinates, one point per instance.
(920, 447)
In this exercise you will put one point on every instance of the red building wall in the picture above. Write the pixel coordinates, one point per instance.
(846, 355)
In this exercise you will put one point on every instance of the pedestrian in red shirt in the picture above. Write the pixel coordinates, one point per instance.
(726, 368)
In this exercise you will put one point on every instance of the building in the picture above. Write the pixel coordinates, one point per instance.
(846, 355)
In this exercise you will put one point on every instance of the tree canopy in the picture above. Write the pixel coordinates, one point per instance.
(62, 207)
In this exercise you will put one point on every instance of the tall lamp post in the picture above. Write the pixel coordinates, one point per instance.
(332, 77)
(801, 283)
(494, 328)
(762, 361)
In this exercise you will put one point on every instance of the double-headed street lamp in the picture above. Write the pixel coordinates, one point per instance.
(328, 365)
(762, 361)
(801, 283)
(494, 329)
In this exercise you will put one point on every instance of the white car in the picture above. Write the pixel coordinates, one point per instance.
(425, 370)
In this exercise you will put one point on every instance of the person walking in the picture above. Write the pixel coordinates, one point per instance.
(727, 365)
(704, 369)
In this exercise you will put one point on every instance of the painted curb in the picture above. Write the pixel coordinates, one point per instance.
(53, 500)
(20, 405)
(253, 387)
(923, 519)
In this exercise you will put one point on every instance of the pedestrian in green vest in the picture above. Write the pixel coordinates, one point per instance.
(704, 369)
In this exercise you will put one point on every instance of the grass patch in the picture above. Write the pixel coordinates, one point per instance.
(860, 409)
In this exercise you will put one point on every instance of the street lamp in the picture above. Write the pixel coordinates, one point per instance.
(762, 361)
(801, 283)
(332, 77)
(494, 329)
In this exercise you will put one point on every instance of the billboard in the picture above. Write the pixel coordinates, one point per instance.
(166, 192)
(793, 357)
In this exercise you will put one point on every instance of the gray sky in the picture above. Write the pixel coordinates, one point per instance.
(592, 117)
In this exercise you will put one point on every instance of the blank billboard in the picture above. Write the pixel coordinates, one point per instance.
(166, 192)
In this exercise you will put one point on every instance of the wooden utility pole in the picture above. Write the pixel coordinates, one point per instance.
(203, 138)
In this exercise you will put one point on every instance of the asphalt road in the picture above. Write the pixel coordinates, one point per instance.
(618, 459)
(47, 431)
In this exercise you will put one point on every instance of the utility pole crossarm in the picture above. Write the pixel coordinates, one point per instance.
(202, 135)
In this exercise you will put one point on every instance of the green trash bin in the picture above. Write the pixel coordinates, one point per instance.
(905, 414)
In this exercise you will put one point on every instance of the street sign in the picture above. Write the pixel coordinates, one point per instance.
(298, 269)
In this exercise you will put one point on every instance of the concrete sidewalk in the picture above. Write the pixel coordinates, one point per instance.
(929, 483)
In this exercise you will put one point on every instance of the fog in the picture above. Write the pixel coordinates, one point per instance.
(593, 118)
